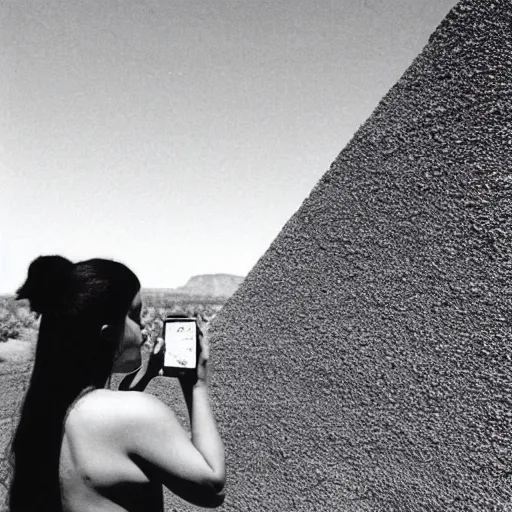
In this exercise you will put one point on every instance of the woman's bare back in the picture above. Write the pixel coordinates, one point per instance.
(96, 472)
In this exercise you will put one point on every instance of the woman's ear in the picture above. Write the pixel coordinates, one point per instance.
(108, 333)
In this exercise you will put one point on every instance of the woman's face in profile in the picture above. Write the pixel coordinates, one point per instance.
(129, 358)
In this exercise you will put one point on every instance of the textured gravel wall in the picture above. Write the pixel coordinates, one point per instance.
(365, 363)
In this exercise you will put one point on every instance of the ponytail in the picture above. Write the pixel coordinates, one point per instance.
(74, 301)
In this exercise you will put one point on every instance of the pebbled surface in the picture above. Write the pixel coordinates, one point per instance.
(365, 362)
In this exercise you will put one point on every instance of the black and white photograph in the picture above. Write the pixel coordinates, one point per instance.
(256, 256)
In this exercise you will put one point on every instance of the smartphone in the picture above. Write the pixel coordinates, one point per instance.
(180, 336)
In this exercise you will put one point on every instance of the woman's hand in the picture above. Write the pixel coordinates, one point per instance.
(152, 366)
(204, 351)
(203, 354)
(155, 362)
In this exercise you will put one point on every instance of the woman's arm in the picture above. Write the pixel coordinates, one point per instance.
(205, 436)
(156, 441)
(192, 468)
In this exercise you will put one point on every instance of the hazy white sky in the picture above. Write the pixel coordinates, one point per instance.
(179, 137)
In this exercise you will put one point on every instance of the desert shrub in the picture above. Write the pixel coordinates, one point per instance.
(9, 330)
(14, 318)
(10, 325)
(26, 317)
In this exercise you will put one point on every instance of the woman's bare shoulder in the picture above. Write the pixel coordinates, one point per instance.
(107, 408)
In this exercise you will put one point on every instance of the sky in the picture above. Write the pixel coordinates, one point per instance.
(179, 137)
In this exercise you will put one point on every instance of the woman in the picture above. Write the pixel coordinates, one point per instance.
(80, 446)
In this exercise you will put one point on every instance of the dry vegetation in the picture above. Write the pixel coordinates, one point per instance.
(17, 321)
(15, 318)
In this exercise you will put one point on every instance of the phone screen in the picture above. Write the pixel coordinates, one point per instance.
(180, 343)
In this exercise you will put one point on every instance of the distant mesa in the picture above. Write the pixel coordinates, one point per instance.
(205, 285)
(211, 285)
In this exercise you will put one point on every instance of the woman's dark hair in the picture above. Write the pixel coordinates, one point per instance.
(74, 301)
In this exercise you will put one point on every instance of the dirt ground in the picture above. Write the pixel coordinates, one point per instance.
(16, 357)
